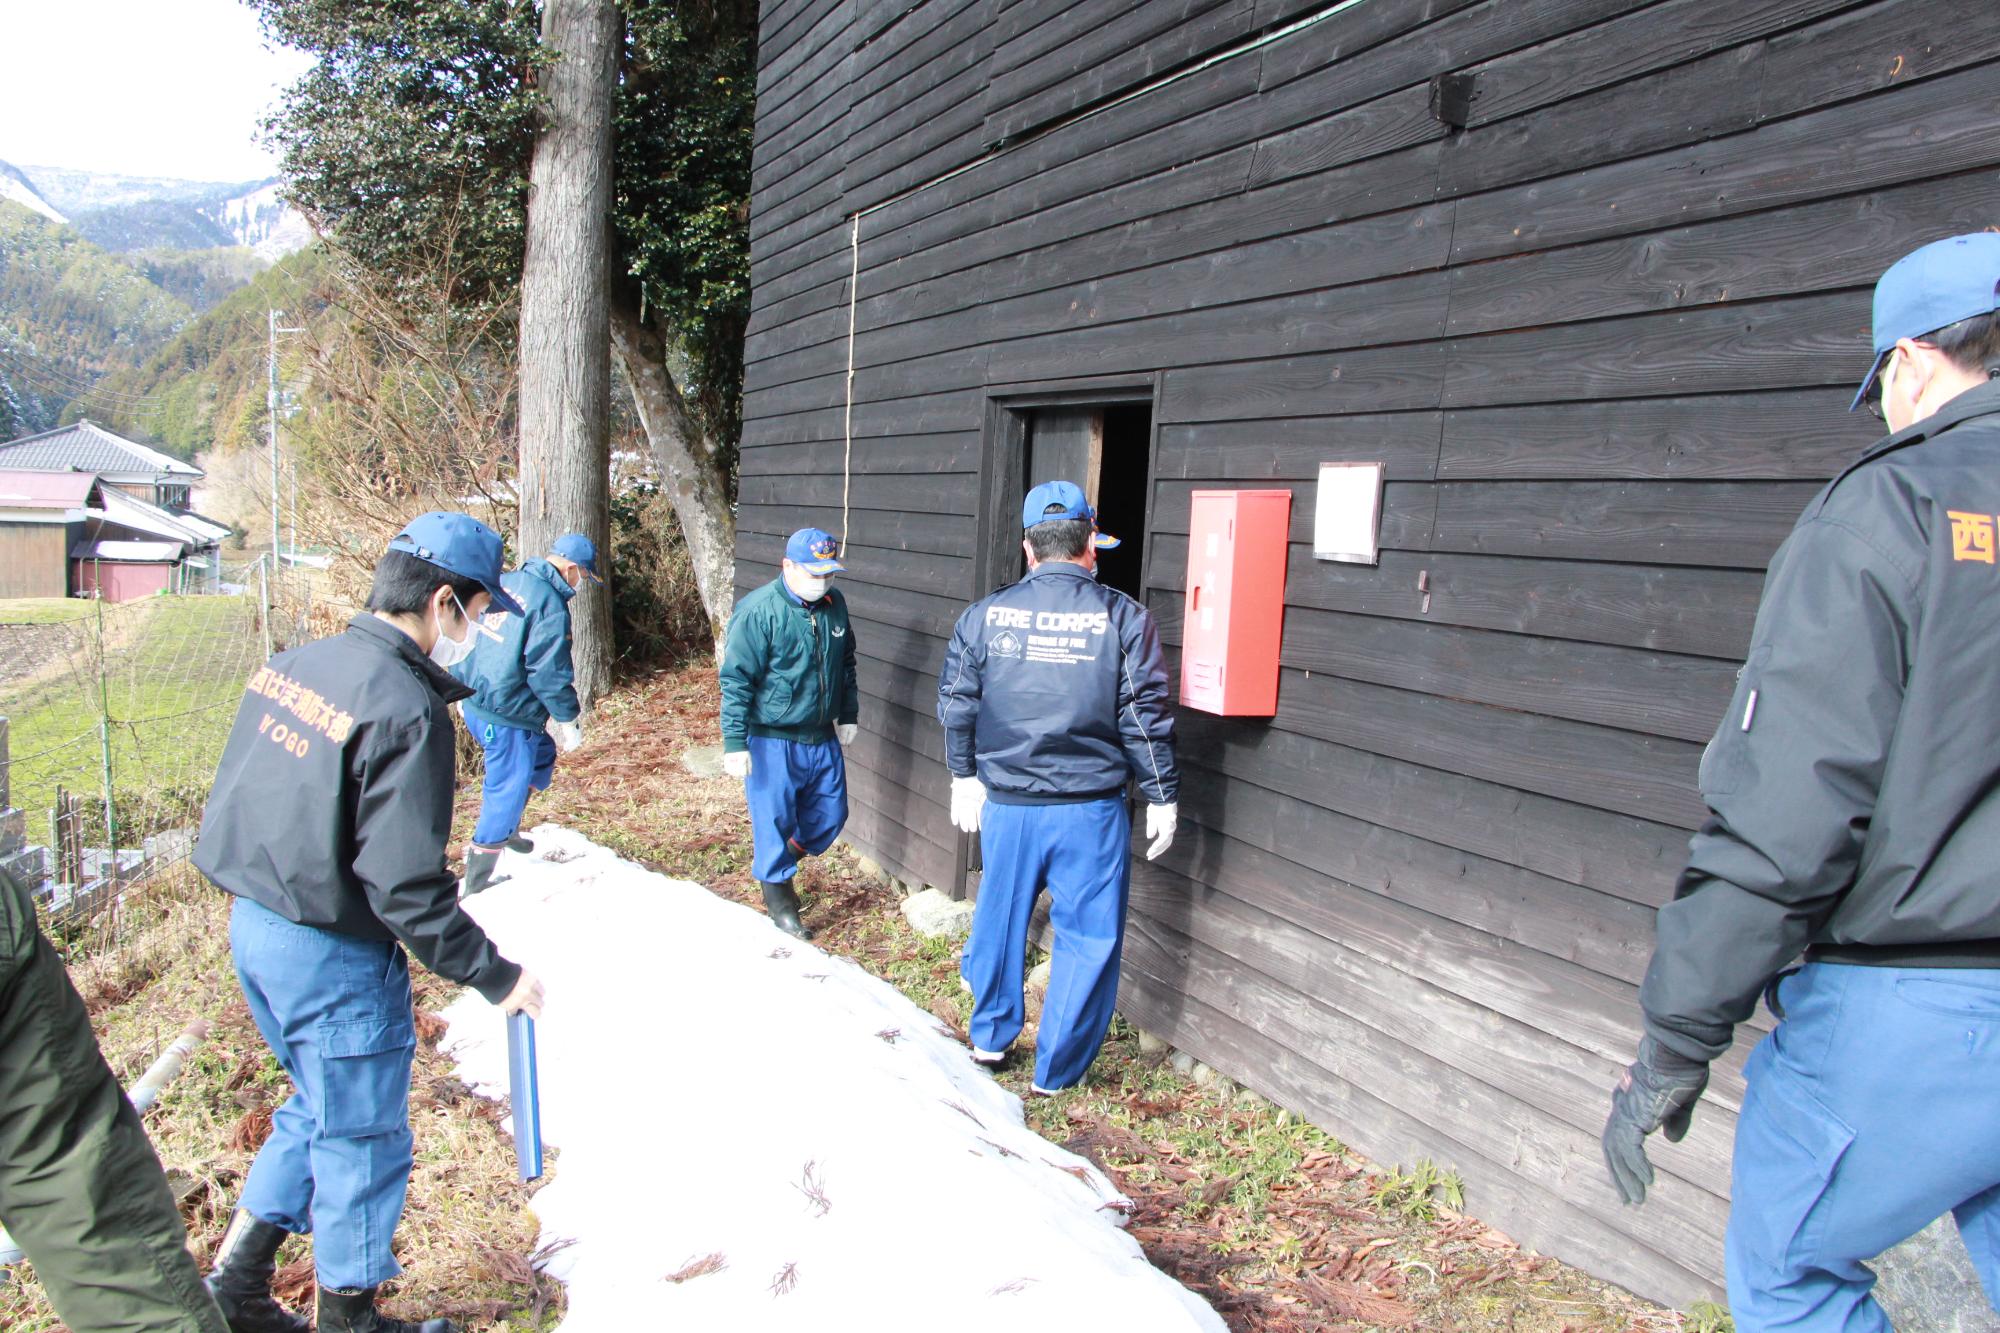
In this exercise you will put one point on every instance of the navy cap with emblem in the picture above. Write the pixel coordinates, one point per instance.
(458, 544)
(1056, 501)
(815, 551)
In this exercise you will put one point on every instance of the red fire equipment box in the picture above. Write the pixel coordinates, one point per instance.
(1235, 601)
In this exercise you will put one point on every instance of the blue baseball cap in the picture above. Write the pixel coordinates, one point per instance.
(458, 544)
(815, 551)
(1055, 501)
(579, 550)
(1939, 284)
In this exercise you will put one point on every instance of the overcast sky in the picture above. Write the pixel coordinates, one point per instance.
(140, 87)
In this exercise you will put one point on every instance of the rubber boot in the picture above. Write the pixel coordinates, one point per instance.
(782, 904)
(241, 1279)
(355, 1312)
(480, 862)
(517, 843)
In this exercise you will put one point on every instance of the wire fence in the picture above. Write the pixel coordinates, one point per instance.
(115, 716)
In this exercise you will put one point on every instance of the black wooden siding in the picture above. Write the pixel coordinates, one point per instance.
(1603, 338)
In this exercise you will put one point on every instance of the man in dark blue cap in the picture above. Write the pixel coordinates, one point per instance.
(523, 679)
(1053, 697)
(1854, 798)
(328, 822)
(790, 701)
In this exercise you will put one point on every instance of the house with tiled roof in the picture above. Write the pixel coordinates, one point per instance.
(122, 464)
(66, 533)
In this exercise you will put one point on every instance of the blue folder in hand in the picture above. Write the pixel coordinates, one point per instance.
(525, 1090)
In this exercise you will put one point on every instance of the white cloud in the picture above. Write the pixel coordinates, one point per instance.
(141, 87)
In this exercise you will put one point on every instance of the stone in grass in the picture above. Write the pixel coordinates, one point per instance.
(931, 914)
(704, 761)
(1038, 978)
(1152, 1045)
(1928, 1284)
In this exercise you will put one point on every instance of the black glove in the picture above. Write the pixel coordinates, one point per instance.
(1658, 1091)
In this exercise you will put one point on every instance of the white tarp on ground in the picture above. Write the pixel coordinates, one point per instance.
(718, 1088)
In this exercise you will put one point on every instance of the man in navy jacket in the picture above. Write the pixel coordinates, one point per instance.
(1053, 696)
(521, 680)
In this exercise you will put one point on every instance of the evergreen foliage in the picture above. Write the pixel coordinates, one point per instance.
(418, 120)
(205, 388)
(70, 314)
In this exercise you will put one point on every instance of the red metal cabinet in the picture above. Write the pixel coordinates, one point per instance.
(1235, 601)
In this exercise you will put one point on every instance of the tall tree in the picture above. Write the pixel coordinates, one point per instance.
(420, 117)
(565, 472)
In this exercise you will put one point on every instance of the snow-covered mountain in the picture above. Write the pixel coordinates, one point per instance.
(262, 221)
(139, 212)
(18, 188)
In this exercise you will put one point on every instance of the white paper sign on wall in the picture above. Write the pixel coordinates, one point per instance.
(1347, 517)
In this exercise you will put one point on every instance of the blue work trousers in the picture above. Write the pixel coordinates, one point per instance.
(1082, 853)
(518, 761)
(798, 802)
(335, 1010)
(1870, 1112)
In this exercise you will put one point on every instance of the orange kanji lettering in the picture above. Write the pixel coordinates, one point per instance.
(1971, 536)
(336, 730)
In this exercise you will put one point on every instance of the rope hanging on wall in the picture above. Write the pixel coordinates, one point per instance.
(847, 428)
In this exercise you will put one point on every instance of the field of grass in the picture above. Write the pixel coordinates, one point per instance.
(44, 610)
(172, 671)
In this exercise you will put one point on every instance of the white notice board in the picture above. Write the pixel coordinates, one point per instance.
(1347, 518)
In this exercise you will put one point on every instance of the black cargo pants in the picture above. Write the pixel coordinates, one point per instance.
(80, 1188)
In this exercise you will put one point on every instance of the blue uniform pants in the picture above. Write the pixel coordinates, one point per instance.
(798, 802)
(335, 1010)
(518, 761)
(1870, 1113)
(1082, 853)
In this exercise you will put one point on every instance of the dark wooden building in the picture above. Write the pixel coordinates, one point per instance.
(1591, 278)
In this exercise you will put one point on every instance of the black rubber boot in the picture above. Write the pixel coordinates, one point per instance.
(782, 904)
(241, 1279)
(480, 863)
(355, 1312)
(517, 843)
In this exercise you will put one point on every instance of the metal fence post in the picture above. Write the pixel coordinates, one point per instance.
(264, 591)
(104, 738)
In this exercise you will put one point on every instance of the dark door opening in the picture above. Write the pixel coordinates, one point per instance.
(1108, 451)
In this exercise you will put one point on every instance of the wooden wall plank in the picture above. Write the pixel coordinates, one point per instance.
(1731, 524)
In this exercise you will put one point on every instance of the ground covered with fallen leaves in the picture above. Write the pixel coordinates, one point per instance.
(1274, 1222)
(1270, 1219)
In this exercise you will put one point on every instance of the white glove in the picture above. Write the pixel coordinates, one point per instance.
(847, 731)
(1161, 820)
(569, 735)
(737, 764)
(968, 798)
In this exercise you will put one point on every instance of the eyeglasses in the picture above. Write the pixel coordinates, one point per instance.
(1879, 386)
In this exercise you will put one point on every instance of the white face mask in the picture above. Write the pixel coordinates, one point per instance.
(448, 652)
(809, 588)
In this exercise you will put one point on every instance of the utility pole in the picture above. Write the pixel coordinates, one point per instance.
(271, 407)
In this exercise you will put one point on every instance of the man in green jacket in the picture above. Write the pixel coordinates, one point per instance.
(80, 1189)
(789, 703)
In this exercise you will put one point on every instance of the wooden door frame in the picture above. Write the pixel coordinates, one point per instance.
(1003, 459)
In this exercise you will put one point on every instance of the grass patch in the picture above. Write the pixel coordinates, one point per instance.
(173, 670)
(44, 610)
(467, 1236)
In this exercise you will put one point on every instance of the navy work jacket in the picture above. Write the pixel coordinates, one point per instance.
(1054, 689)
(528, 676)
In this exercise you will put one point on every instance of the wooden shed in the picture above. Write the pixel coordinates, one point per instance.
(1589, 277)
